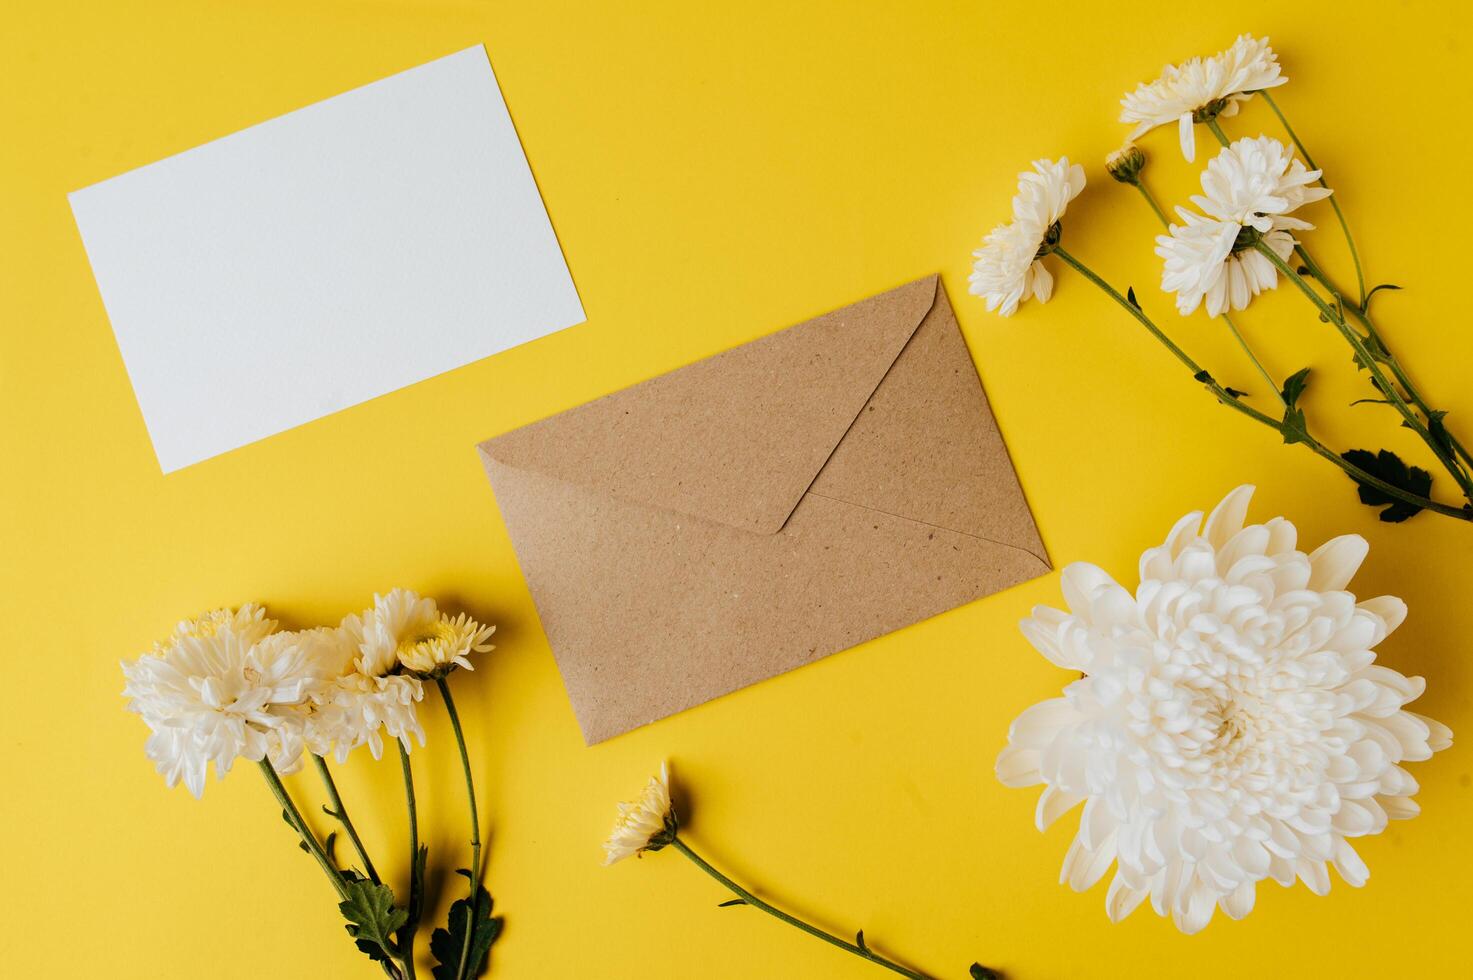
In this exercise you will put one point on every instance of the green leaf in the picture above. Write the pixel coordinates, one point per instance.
(1203, 377)
(462, 949)
(328, 845)
(1130, 295)
(372, 916)
(734, 901)
(859, 940)
(1374, 290)
(980, 972)
(1234, 393)
(1295, 428)
(1389, 468)
(1294, 386)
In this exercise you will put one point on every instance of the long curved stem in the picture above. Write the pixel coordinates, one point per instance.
(1398, 371)
(470, 792)
(1364, 356)
(748, 898)
(1273, 387)
(1221, 394)
(1360, 279)
(340, 812)
(406, 932)
(1151, 200)
(300, 825)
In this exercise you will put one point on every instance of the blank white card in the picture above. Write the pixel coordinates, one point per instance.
(325, 257)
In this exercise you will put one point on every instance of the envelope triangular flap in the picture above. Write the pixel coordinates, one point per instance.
(736, 438)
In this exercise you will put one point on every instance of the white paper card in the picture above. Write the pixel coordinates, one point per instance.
(325, 257)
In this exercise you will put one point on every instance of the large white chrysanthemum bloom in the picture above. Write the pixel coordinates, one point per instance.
(646, 824)
(1257, 183)
(1009, 269)
(1203, 262)
(1202, 89)
(369, 696)
(224, 687)
(1231, 724)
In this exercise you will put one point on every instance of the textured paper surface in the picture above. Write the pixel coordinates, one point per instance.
(325, 257)
(762, 508)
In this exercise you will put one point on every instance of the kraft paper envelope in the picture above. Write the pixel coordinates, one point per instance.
(762, 508)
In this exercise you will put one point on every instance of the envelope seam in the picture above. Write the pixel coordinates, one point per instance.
(940, 527)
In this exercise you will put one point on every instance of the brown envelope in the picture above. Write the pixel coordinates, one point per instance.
(757, 510)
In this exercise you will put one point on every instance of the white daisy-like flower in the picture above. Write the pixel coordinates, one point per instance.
(224, 687)
(646, 824)
(1009, 268)
(368, 696)
(1203, 261)
(1202, 89)
(1257, 183)
(1231, 725)
(445, 644)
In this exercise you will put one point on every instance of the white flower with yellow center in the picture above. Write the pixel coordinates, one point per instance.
(647, 824)
(368, 697)
(439, 647)
(1008, 269)
(1202, 89)
(1231, 723)
(224, 687)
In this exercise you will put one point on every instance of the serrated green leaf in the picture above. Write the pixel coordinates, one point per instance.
(462, 949)
(980, 972)
(1294, 386)
(1388, 467)
(372, 916)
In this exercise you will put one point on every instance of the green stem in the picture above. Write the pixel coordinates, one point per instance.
(1302, 436)
(1362, 314)
(864, 952)
(340, 812)
(1217, 131)
(1273, 387)
(390, 966)
(470, 792)
(1360, 279)
(1357, 342)
(1152, 202)
(308, 838)
(407, 931)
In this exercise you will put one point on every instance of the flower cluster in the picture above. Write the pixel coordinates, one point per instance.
(230, 686)
(1249, 191)
(1009, 269)
(1231, 723)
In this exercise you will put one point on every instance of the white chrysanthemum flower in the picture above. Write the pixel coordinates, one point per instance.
(1231, 724)
(368, 696)
(1202, 89)
(1257, 183)
(1203, 261)
(224, 687)
(249, 623)
(647, 824)
(1008, 267)
(445, 644)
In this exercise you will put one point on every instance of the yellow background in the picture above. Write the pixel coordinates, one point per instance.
(714, 172)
